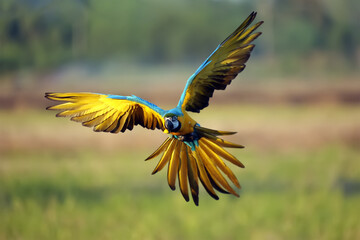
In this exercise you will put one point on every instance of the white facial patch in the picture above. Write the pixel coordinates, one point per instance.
(174, 121)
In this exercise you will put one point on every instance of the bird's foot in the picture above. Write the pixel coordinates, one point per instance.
(191, 137)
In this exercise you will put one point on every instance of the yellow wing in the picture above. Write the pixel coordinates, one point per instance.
(220, 68)
(107, 113)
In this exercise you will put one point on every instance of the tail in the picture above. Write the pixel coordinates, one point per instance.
(201, 159)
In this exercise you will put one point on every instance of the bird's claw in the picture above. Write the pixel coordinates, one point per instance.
(191, 137)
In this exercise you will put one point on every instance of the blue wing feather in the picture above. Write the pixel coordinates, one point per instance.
(192, 77)
(218, 70)
(139, 100)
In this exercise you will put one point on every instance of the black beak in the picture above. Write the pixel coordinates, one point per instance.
(169, 125)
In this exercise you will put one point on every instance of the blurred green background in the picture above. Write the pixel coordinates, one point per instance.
(296, 108)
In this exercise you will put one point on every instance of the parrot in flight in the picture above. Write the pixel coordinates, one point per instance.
(191, 151)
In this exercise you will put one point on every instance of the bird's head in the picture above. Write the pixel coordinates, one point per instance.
(172, 124)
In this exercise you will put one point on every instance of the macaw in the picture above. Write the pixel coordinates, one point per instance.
(191, 151)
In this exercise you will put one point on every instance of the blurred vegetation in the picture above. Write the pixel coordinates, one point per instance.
(285, 196)
(302, 179)
(46, 34)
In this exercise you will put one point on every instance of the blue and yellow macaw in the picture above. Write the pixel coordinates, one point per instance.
(191, 151)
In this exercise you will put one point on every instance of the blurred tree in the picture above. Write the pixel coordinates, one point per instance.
(44, 34)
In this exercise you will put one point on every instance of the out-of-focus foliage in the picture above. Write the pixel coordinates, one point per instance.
(301, 181)
(43, 34)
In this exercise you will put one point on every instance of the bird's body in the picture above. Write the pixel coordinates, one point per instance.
(191, 151)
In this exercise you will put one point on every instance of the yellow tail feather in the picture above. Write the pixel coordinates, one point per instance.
(205, 162)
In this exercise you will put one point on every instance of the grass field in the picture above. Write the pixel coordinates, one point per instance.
(59, 180)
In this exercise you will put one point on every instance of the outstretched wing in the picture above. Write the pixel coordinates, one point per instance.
(221, 67)
(108, 113)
